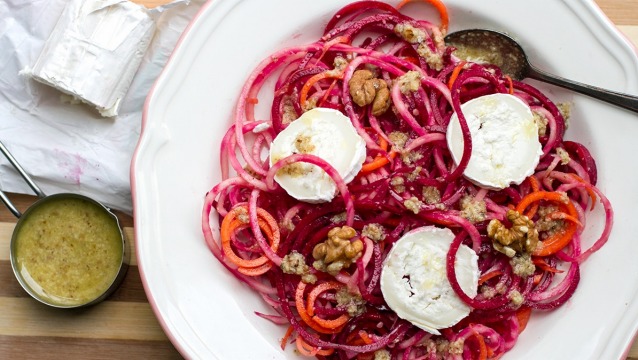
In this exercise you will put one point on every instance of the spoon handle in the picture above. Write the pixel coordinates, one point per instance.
(626, 101)
(20, 170)
(7, 202)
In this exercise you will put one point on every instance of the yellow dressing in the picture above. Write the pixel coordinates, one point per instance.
(68, 251)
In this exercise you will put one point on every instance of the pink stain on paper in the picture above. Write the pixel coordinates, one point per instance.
(72, 165)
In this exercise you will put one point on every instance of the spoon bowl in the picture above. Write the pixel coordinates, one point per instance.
(493, 47)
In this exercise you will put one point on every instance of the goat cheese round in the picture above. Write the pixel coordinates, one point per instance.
(325, 133)
(505, 144)
(414, 280)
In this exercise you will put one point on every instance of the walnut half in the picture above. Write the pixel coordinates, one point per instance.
(337, 252)
(520, 238)
(365, 89)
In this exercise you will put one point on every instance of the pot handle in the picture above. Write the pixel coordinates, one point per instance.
(25, 176)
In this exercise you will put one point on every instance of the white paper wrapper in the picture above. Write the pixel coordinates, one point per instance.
(94, 51)
(65, 147)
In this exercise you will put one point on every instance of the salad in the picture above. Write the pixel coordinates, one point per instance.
(400, 203)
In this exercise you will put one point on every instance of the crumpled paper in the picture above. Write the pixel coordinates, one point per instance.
(65, 147)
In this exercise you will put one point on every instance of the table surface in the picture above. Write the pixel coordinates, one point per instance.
(124, 325)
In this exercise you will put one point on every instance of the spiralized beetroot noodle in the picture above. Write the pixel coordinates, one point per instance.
(254, 228)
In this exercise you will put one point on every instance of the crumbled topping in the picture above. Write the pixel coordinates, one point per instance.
(337, 252)
(294, 263)
(289, 114)
(430, 345)
(398, 184)
(242, 215)
(310, 104)
(522, 265)
(500, 288)
(398, 140)
(565, 110)
(546, 210)
(382, 355)
(418, 36)
(516, 298)
(287, 224)
(411, 157)
(294, 170)
(409, 33)
(521, 237)
(365, 89)
(564, 156)
(541, 121)
(339, 218)
(442, 345)
(547, 226)
(353, 303)
(374, 232)
(564, 198)
(439, 38)
(488, 292)
(432, 58)
(410, 81)
(431, 195)
(304, 144)
(413, 204)
(340, 63)
(309, 278)
(456, 347)
(473, 210)
(414, 174)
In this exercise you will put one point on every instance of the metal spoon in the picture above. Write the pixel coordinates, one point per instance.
(500, 49)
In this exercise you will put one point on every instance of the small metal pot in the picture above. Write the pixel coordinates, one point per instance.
(33, 286)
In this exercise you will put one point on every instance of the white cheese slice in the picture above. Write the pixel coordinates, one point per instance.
(94, 51)
(414, 280)
(505, 144)
(325, 133)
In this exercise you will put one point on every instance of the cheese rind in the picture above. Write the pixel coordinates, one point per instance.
(325, 133)
(414, 279)
(505, 144)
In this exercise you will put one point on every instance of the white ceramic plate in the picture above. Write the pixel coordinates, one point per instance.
(208, 314)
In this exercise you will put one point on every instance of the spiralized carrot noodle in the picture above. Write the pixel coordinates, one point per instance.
(268, 239)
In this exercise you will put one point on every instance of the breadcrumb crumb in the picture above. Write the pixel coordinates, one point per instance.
(374, 232)
(564, 156)
(410, 82)
(516, 298)
(431, 195)
(413, 204)
(522, 265)
(410, 33)
(398, 184)
(565, 110)
(398, 139)
(474, 211)
(353, 303)
(541, 121)
(433, 59)
(382, 355)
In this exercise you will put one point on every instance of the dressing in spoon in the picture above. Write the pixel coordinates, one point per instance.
(492, 47)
